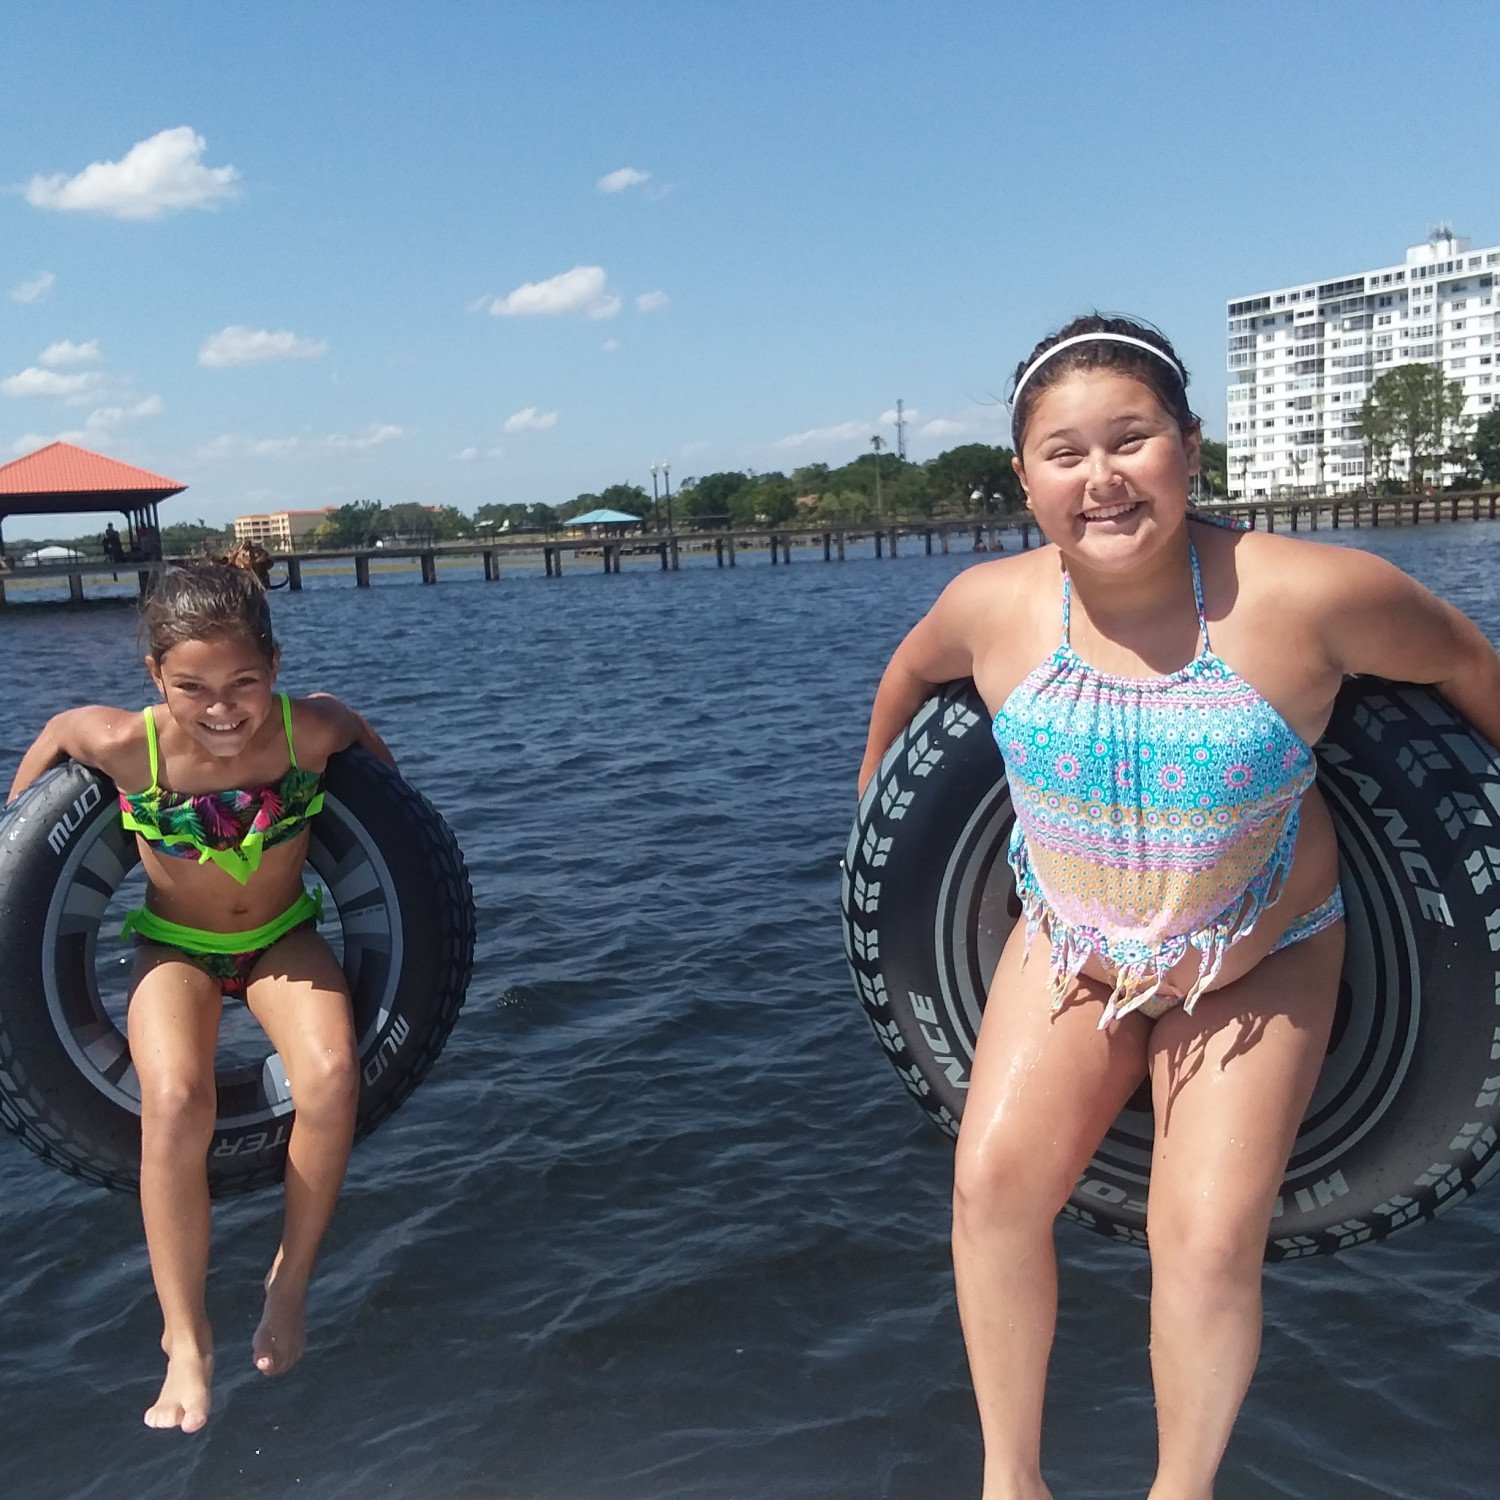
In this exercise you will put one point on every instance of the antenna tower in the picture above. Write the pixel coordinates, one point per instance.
(900, 429)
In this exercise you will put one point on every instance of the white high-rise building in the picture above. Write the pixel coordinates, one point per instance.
(1302, 358)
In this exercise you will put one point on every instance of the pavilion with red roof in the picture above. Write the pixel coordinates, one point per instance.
(62, 478)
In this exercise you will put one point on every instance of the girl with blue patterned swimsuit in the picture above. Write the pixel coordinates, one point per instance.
(218, 783)
(1157, 685)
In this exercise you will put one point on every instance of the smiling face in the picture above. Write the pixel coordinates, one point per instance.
(219, 690)
(1106, 468)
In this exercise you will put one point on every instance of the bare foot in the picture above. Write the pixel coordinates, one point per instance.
(282, 1335)
(186, 1394)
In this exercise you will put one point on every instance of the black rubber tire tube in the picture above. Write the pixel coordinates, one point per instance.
(395, 876)
(1404, 1118)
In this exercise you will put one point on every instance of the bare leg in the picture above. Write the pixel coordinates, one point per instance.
(174, 1026)
(299, 996)
(1231, 1084)
(1044, 1090)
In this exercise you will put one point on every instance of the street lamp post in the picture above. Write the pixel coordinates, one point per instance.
(666, 474)
(877, 443)
(655, 500)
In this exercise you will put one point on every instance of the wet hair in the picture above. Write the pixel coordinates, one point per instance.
(1162, 373)
(208, 600)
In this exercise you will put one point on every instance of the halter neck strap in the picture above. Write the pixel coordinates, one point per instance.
(1203, 648)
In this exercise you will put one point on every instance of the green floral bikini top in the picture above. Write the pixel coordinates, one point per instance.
(227, 828)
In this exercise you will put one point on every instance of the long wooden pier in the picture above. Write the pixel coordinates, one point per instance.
(973, 533)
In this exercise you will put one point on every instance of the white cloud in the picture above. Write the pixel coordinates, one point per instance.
(256, 346)
(619, 180)
(910, 413)
(529, 419)
(65, 352)
(156, 176)
(583, 289)
(34, 381)
(33, 290)
(106, 418)
(611, 346)
(844, 432)
(941, 427)
(469, 455)
(376, 435)
(650, 301)
(99, 426)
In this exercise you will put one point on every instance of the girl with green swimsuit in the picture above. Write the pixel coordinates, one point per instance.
(218, 782)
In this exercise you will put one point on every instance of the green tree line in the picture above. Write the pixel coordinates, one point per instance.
(1414, 425)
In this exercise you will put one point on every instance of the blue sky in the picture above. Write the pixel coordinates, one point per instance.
(287, 295)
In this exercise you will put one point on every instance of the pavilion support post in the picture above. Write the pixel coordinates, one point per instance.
(294, 574)
(1336, 509)
(75, 587)
(719, 551)
(775, 557)
(491, 572)
(362, 570)
(429, 567)
(927, 537)
(661, 548)
(879, 541)
(945, 541)
(893, 541)
(827, 546)
(730, 540)
(608, 567)
(673, 548)
(841, 546)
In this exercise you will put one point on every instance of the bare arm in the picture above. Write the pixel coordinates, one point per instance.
(343, 729)
(937, 649)
(95, 736)
(1386, 623)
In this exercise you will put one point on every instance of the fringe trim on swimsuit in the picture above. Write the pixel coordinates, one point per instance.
(1141, 970)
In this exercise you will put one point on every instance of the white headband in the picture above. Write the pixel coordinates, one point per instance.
(1093, 338)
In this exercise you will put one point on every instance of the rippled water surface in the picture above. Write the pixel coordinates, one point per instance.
(662, 1221)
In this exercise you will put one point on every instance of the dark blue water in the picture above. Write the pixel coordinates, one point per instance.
(662, 1222)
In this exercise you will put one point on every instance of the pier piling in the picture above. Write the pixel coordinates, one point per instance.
(429, 567)
(362, 571)
(294, 574)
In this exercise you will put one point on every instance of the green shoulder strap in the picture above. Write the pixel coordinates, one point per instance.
(149, 716)
(286, 718)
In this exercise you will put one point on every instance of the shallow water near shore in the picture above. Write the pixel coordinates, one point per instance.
(662, 1221)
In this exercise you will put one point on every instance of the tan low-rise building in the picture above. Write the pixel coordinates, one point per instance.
(280, 530)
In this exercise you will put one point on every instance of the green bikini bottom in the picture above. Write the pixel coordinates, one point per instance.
(228, 957)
